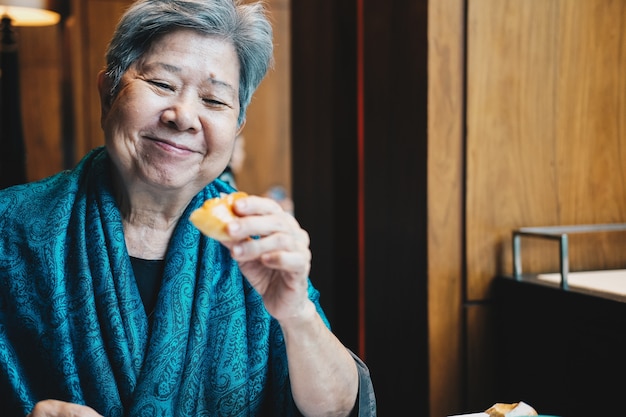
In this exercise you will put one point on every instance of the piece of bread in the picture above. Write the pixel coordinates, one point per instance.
(511, 410)
(212, 217)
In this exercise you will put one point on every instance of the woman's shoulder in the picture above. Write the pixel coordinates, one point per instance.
(36, 193)
(40, 198)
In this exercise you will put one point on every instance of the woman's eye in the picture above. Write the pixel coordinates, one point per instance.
(213, 102)
(161, 85)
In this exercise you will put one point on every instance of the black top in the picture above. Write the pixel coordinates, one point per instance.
(148, 274)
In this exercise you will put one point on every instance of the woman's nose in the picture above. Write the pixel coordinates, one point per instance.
(183, 113)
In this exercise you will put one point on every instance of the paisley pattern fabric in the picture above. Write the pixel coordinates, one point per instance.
(73, 326)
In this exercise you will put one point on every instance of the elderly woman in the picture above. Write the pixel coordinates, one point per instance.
(112, 303)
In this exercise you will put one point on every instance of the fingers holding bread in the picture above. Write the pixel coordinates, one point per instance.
(213, 217)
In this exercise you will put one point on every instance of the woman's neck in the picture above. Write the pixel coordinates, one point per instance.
(149, 218)
(147, 242)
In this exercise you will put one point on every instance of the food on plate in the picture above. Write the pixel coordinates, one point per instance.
(212, 217)
(511, 410)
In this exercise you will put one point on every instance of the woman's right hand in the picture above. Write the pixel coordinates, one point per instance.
(54, 408)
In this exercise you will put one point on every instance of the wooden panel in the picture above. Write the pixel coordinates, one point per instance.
(445, 204)
(268, 128)
(41, 98)
(102, 16)
(546, 122)
(90, 29)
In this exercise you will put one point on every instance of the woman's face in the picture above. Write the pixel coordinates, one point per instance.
(174, 121)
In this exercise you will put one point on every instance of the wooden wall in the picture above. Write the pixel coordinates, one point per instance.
(268, 128)
(90, 27)
(546, 119)
(446, 193)
(42, 99)
(545, 143)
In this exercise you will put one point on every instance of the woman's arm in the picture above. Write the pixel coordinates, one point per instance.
(323, 374)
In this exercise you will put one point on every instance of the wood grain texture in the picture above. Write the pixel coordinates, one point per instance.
(445, 204)
(546, 122)
(268, 128)
(101, 18)
(89, 28)
(41, 99)
(546, 141)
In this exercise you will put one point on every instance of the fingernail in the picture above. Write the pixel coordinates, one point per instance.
(240, 203)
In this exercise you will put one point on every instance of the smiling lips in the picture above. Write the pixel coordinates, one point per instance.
(169, 145)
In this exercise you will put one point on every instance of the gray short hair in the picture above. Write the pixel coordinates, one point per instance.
(245, 25)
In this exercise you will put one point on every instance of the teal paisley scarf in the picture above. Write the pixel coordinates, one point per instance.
(73, 327)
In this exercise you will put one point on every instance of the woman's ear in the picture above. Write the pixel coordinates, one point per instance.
(240, 128)
(104, 88)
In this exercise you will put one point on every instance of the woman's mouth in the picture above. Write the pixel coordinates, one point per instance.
(171, 146)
